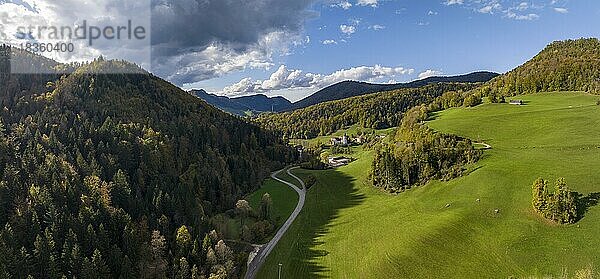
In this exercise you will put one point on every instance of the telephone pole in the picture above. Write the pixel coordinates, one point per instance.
(279, 271)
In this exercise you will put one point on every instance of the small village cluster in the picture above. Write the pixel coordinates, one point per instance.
(347, 141)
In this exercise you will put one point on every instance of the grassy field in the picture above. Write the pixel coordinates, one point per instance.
(284, 199)
(350, 230)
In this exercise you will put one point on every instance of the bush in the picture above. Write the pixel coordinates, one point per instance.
(262, 229)
(472, 100)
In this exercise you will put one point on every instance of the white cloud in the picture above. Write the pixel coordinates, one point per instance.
(377, 27)
(490, 9)
(432, 13)
(522, 16)
(182, 52)
(523, 6)
(400, 11)
(430, 73)
(561, 10)
(372, 3)
(329, 42)
(347, 29)
(453, 2)
(220, 59)
(285, 78)
(344, 5)
(39, 14)
(511, 9)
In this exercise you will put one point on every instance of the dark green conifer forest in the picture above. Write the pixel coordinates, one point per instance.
(117, 175)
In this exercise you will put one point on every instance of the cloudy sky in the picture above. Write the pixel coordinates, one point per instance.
(295, 47)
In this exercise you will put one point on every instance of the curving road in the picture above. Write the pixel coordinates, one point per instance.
(265, 250)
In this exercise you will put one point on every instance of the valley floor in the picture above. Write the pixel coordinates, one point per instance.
(348, 229)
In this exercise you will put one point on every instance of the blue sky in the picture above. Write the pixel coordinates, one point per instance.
(293, 48)
(448, 38)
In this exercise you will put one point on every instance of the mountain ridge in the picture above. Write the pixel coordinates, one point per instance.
(347, 89)
(245, 105)
(255, 104)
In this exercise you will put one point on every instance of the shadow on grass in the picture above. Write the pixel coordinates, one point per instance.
(433, 116)
(586, 202)
(333, 192)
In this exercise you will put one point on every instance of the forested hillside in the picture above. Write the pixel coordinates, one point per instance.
(115, 176)
(379, 110)
(572, 65)
(348, 89)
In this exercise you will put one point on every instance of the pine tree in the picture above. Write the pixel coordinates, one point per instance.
(87, 269)
(242, 208)
(183, 239)
(75, 264)
(266, 207)
(99, 266)
(566, 205)
(540, 195)
(206, 243)
(195, 272)
(158, 266)
(127, 271)
(41, 254)
(183, 271)
(23, 263)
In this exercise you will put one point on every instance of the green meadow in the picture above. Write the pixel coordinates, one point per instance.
(480, 225)
(284, 201)
(284, 198)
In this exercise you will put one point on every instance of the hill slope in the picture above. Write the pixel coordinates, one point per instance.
(572, 65)
(244, 105)
(378, 111)
(108, 176)
(347, 89)
(347, 225)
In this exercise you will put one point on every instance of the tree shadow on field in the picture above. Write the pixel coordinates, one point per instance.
(433, 116)
(335, 191)
(585, 203)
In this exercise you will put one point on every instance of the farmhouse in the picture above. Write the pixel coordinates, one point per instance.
(516, 102)
(340, 141)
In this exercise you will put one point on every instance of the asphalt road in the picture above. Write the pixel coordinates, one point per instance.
(264, 252)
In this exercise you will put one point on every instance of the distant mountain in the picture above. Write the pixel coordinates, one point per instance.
(246, 105)
(347, 89)
(221, 102)
(263, 103)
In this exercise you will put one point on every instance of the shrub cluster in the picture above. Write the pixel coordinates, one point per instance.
(560, 206)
